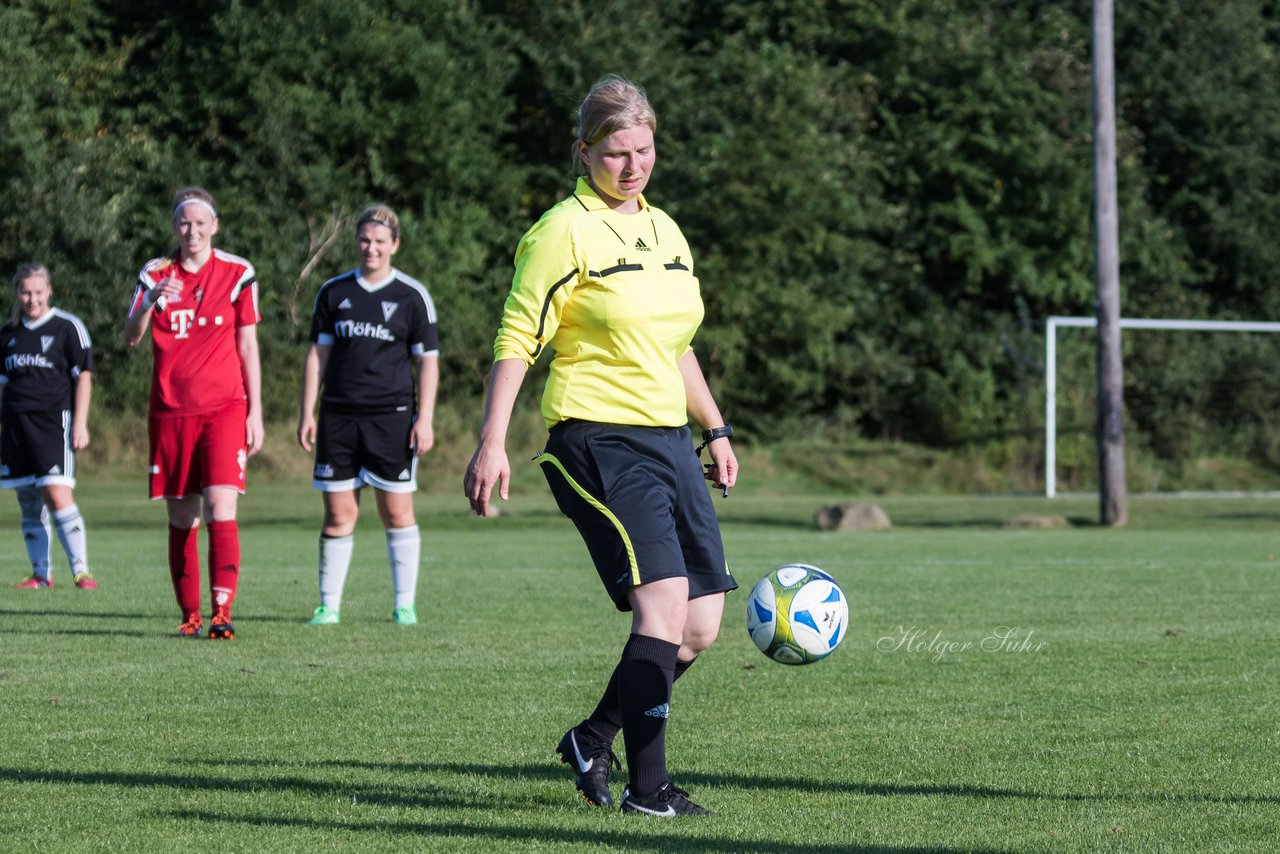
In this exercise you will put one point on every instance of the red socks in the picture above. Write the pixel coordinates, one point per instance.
(184, 567)
(224, 565)
(224, 562)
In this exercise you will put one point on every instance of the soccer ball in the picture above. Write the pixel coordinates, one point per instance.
(797, 614)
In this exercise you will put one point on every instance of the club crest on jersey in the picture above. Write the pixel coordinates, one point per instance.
(46, 341)
(388, 309)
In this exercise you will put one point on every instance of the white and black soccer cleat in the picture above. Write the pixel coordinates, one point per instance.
(668, 802)
(591, 761)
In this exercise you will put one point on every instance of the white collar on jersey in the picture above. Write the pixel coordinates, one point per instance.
(373, 286)
(44, 318)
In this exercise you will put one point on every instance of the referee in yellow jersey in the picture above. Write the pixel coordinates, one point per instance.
(606, 280)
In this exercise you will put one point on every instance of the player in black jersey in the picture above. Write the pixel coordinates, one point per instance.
(372, 330)
(45, 387)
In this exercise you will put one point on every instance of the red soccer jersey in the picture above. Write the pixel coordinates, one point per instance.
(196, 366)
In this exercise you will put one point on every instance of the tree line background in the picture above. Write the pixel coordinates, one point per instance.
(885, 200)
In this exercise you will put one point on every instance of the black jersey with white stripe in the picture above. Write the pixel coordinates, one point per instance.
(42, 360)
(376, 330)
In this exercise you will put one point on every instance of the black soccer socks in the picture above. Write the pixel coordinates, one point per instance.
(644, 677)
(606, 720)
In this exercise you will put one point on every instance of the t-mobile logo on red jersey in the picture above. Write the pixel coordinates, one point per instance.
(181, 320)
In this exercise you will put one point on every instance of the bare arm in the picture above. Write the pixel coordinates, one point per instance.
(140, 318)
(251, 370)
(312, 372)
(136, 324)
(489, 466)
(80, 411)
(703, 410)
(428, 381)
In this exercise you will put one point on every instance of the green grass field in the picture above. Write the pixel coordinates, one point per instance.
(1134, 707)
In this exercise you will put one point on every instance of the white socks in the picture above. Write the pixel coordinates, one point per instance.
(70, 525)
(404, 549)
(36, 534)
(335, 560)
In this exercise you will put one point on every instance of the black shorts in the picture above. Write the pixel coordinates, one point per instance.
(35, 449)
(354, 449)
(638, 497)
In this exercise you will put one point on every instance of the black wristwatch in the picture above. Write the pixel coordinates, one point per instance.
(709, 436)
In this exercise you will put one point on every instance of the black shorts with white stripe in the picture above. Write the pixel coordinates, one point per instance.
(354, 450)
(35, 449)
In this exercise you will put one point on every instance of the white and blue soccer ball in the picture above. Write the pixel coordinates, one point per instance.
(797, 614)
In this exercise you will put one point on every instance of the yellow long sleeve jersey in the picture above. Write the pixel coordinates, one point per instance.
(614, 295)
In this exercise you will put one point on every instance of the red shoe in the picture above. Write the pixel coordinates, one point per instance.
(190, 627)
(220, 627)
(85, 582)
(35, 582)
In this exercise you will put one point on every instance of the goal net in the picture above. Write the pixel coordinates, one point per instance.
(1202, 406)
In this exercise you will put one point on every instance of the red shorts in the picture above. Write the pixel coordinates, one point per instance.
(190, 453)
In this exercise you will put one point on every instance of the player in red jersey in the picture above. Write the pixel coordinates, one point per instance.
(205, 417)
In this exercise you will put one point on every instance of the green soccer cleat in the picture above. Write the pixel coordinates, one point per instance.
(405, 616)
(324, 616)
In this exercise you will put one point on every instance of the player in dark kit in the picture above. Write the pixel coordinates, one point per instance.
(205, 417)
(45, 386)
(370, 329)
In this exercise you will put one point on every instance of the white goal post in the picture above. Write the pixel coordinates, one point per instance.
(1051, 368)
